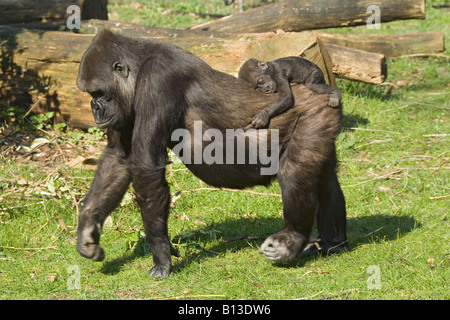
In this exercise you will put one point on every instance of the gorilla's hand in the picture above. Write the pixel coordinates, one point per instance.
(261, 120)
(87, 243)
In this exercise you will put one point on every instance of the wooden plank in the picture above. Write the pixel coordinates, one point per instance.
(227, 51)
(391, 45)
(299, 15)
(41, 67)
(354, 64)
(21, 11)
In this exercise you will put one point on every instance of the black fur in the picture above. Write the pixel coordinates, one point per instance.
(276, 76)
(144, 89)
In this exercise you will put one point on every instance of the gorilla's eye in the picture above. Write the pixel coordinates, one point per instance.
(121, 68)
(118, 66)
(262, 65)
(260, 81)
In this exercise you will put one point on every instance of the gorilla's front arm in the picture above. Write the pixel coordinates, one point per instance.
(111, 181)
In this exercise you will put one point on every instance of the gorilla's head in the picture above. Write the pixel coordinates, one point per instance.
(108, 73)
(258, 75)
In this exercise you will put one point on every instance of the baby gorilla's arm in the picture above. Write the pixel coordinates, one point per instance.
(284, 102)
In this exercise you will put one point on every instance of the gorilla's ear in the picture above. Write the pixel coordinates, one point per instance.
(262, 65)
(121, 68)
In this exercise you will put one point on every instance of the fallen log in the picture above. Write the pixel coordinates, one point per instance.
(40, 67)
(22, 11)
(40, 71)
(225, 54)
(354, 64)
(391, 45)
(297, 15)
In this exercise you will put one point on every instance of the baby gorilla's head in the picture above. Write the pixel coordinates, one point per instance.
(258, 75)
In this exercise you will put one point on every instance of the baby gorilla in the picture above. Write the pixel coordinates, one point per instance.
(276, 76)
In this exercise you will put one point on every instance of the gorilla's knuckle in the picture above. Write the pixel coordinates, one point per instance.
(87, 243)
(91, 251)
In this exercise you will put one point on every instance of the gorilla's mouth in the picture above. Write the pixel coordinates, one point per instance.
(105, 123)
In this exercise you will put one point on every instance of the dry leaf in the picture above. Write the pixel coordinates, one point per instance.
(75, 162)
(135, 5)
(201, 223)
(108, 222)
(61, 222)
(184, 217)
(22, 182)
(384, 189)
(90, 162)
(87, 162)
(52, 277)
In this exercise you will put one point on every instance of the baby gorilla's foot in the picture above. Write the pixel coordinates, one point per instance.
(333, 101)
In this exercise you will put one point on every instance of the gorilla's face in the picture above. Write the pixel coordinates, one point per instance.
(108, 104)
(106, 76)
(258, 75)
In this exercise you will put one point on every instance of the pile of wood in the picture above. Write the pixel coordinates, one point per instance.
(40, 64)
(20, 11)
(299, 15)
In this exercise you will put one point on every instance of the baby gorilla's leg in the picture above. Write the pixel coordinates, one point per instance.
(333, 93)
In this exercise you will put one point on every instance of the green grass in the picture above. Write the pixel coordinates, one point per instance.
(394, 169)
(172, 13)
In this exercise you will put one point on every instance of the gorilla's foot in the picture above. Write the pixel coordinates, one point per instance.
(174, 252)
(87, 243)
(318, 246)
(159, 272)
(162, 250)
(283, 246)
(333, 102)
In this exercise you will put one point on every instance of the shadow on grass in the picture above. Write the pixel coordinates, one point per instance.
(360, 231)
(366, 90)
(352, 120)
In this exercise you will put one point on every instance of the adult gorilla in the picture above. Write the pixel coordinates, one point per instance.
(142, 90)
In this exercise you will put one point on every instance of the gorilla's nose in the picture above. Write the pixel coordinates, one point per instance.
(97, 107)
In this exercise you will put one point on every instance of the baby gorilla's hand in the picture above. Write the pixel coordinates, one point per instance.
(261, 120)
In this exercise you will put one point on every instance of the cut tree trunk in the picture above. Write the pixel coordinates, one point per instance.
(391, 45)
(357, 64)
(21, 11)
(224, 51)
(299, 15)
(40, 68)
(39, 71)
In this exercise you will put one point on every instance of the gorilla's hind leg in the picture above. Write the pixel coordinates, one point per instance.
(299, 206)
(153, 197)
(331, 219)
(304, 170)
